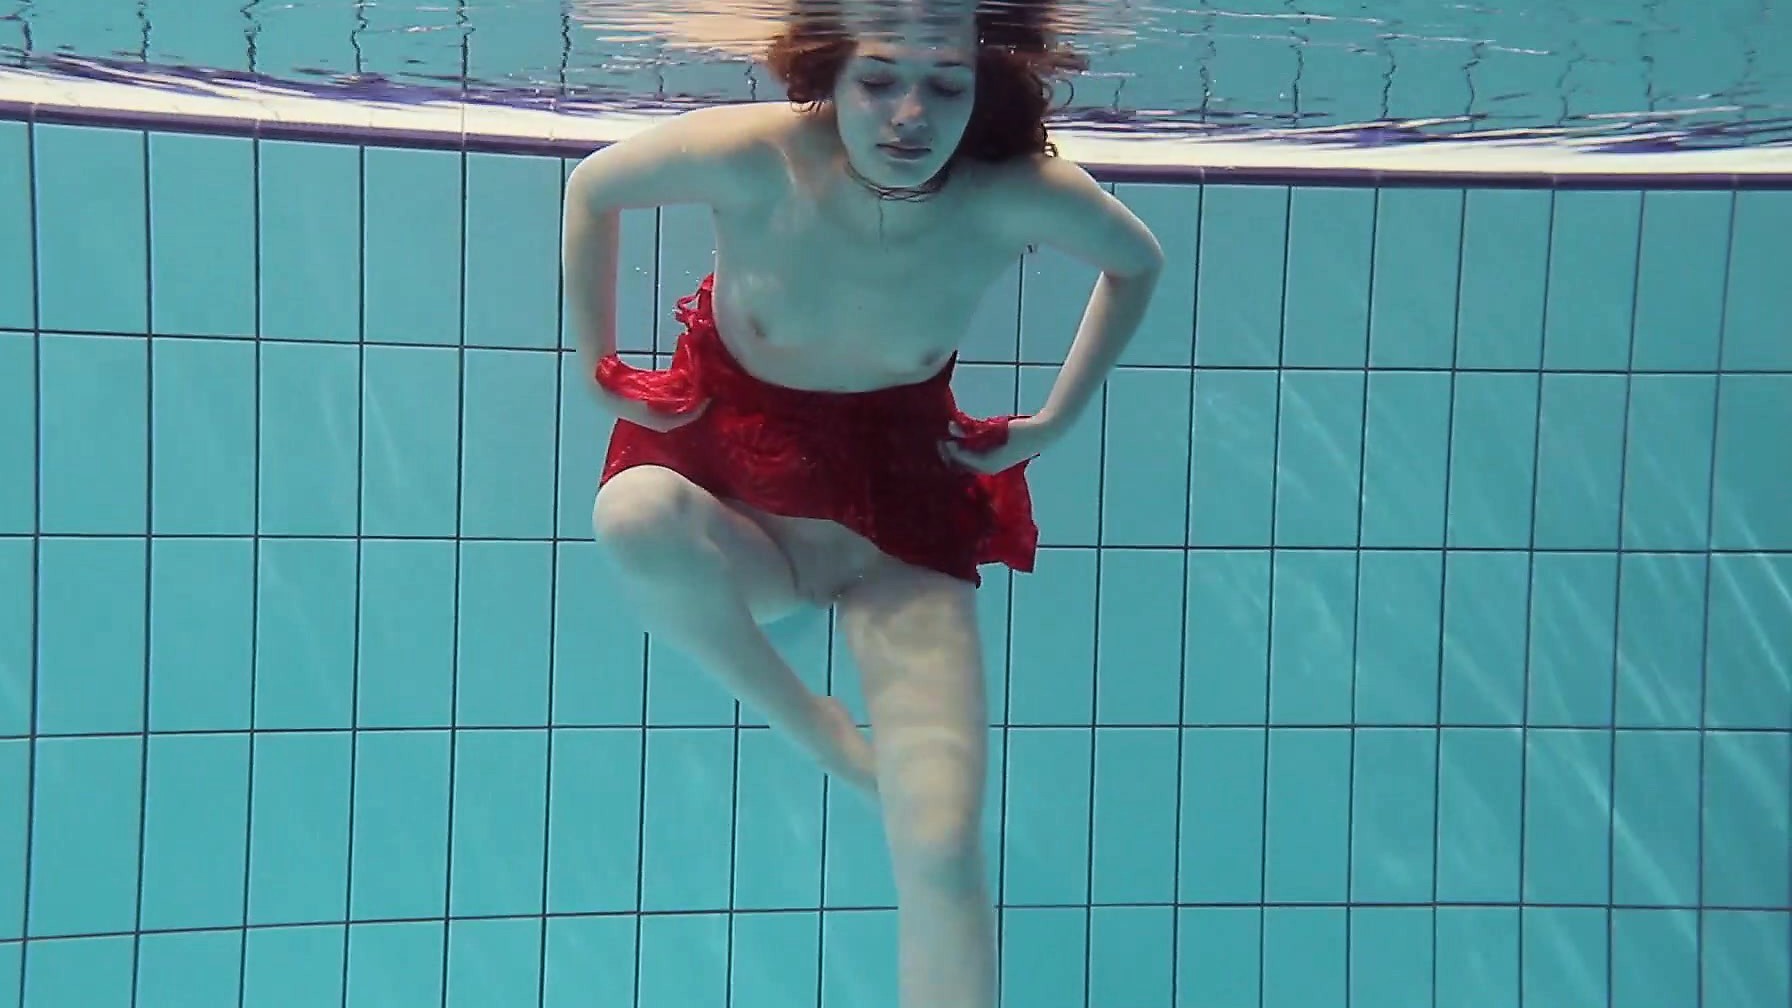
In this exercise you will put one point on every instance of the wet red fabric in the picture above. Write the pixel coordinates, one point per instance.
(869, 461)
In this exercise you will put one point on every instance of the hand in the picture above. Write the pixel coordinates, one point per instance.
(638, 412)
(1027, 437)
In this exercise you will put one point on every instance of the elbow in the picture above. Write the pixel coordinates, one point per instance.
(1141, 261)
(1151, 257)
(1151, 264)
(1140, 269)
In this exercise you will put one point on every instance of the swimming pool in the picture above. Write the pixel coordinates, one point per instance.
(1413, 627)
(1692, 72)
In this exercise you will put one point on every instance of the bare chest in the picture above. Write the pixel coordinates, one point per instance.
(809, 303)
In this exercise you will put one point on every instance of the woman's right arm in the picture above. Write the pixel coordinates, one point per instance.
(694, 157)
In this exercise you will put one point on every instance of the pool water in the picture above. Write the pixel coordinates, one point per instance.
(1698, 71)
(1413, 623)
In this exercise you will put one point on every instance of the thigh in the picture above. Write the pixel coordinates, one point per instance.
(653, 517)
(826, 558)
(914, 636)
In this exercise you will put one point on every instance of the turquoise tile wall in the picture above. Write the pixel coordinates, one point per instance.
(1414, 623)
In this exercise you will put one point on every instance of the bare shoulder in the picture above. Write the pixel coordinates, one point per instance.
(715, 155)
(1046, 200)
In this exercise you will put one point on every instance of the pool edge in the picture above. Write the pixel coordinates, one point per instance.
(38, 98)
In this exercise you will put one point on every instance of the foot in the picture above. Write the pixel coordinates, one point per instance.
(842, 749)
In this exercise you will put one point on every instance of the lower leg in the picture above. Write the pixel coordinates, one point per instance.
(704, 576)
(699, 612)
(914, 634)
(946, 936)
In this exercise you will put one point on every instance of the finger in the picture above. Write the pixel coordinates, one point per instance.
(975, 463)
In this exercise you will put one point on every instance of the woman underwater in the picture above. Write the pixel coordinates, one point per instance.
(804, 447)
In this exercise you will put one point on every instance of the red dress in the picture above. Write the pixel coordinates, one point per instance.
(869, 461)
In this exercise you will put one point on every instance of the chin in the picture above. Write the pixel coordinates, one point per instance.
(885, 171)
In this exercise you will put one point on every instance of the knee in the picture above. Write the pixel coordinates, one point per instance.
(642, 519)
(935, 830)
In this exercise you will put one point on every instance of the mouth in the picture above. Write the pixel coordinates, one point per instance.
(904, 152)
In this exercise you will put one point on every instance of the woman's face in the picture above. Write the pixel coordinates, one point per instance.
(903, 99)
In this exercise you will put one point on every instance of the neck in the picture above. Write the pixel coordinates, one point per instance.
(907, 194)
(888, 214)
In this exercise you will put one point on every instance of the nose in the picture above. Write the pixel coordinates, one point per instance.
(910, 115)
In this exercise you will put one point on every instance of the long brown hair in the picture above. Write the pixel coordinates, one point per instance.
(1017, 60)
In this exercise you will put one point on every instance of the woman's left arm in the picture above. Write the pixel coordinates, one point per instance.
(1055, 203)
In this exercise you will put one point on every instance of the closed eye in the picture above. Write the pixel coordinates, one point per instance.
(878, 85)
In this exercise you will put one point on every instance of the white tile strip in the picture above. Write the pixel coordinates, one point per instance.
(1296, 151)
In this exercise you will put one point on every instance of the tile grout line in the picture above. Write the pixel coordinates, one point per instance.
(460, 520)
(1611, 756)
(1034, 364)
(1356, 597)
(554, 571)
(360, 542)
(1242, 904)
(1182, 670)
(1023, 726)
(998, 894)
(1704, 727)
(1269, 657)
(1095, 732)
(821, 882)
(32, 766)
(242, 979)
(1443, 594)
(1048, 547)
(1530, 596)
(646, 693)
(149, 412)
